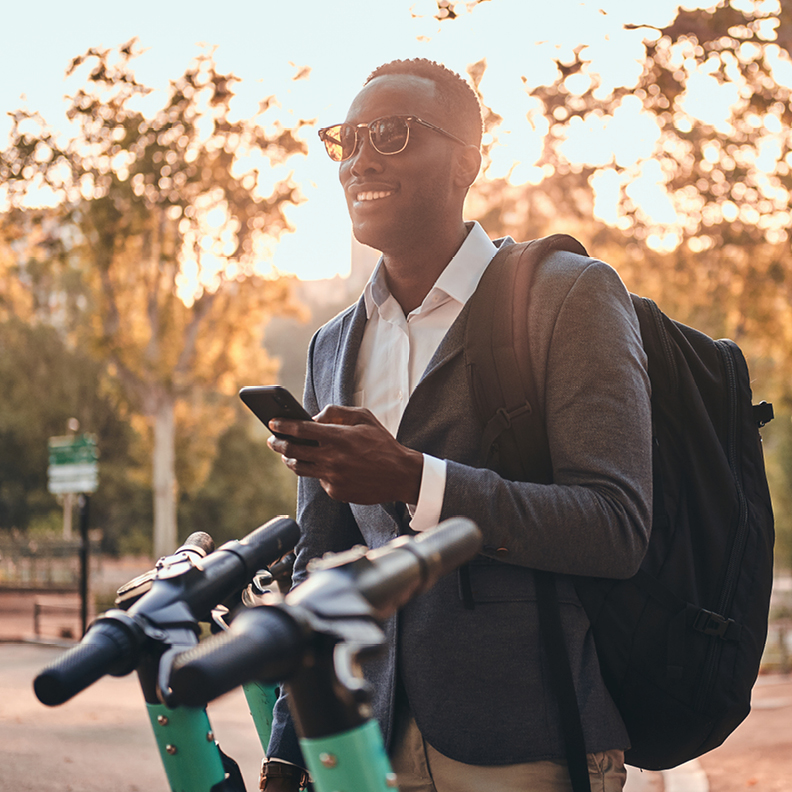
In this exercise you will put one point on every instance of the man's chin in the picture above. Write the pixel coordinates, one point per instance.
(372, 237)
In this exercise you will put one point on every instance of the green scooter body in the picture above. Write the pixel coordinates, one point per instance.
(187, 748)
(353, 761)
(261, 698)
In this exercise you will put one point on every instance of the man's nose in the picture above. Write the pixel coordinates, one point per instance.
(366, 158)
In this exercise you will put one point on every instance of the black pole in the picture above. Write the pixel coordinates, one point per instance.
(84, 558)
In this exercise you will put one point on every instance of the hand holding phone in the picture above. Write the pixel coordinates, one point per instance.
(274, 401)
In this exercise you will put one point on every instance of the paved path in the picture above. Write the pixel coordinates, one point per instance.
(101, 740)
(758, 756)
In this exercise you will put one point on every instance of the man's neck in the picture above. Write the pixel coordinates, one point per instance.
(411, 274)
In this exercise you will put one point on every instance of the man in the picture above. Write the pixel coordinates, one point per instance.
(461, 694)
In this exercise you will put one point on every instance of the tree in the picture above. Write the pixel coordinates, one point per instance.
(717, 252)
(247, 486)
(727, 180)
(162, 221)
(43, 383)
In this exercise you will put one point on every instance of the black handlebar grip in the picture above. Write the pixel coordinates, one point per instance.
(408, 566)
(447, 546)
(109, 647)
(266, 544)
(262, 643)
(200, 541)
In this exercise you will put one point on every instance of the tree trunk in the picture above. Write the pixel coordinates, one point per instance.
(164, 478)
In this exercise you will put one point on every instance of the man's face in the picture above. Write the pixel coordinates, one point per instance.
(400, 201)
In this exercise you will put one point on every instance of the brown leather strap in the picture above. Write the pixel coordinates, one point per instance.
(275, 769)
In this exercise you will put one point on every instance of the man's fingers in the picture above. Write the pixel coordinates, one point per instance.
(321, 427)
(356, 460)
(289, 449)
(283, 426)
(299, 467)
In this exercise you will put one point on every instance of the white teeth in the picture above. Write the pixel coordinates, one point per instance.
(373, 196)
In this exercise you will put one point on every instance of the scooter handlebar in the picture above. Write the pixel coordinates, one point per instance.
(109, 646)
(113, 643)
(262, 643)
(393, 579)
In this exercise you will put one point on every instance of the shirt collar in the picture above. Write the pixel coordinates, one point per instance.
(458, 280)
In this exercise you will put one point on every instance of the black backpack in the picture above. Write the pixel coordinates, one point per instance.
(680, 643)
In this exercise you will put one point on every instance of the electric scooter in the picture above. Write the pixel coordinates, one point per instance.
(164, 609)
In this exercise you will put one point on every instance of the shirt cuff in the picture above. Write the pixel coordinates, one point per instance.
(430, 497)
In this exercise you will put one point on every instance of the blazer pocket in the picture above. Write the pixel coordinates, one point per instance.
(495, 581)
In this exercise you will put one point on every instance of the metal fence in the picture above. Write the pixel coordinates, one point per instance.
(47, 563)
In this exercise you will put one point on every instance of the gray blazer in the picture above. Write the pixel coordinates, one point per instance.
(476, 679)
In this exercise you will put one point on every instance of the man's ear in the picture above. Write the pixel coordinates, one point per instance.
(468, 165)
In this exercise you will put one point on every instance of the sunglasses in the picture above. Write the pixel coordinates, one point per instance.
(388, 135)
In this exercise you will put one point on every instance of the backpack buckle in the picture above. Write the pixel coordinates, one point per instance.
(711, 623)
(763, 413)
(508, 416)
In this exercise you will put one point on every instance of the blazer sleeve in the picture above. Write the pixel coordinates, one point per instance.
(326, 526)
(595, 518)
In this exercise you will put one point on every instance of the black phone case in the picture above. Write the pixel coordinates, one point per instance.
(274, 401)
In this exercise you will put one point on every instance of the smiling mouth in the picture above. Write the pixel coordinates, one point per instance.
(373, 195)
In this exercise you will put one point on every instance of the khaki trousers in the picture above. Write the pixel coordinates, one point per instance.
(420, 768)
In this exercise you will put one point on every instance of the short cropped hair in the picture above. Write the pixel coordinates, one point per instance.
(456, 94)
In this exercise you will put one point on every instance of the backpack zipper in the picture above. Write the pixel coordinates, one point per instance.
(741, 534)
(742, 521)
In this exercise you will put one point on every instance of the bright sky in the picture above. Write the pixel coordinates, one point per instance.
(266, 43)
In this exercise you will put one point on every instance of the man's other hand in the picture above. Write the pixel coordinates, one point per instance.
(357, 460)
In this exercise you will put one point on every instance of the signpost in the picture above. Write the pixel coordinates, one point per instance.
(74, 469)
(73, 464)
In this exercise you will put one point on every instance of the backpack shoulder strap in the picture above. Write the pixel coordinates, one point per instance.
(505, 397)
(501, 384)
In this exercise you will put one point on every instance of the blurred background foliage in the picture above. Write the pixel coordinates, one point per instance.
(98, 319)
(152, 261)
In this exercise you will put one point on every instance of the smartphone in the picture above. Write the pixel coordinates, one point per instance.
(274, 401)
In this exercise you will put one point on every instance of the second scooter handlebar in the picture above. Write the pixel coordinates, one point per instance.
(267, 643)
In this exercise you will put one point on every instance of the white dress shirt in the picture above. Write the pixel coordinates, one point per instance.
(396, 349)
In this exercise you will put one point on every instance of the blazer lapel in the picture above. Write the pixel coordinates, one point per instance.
(452, 345)
(349, 340)
(454, 341)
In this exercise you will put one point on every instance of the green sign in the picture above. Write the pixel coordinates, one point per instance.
(73, 465)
